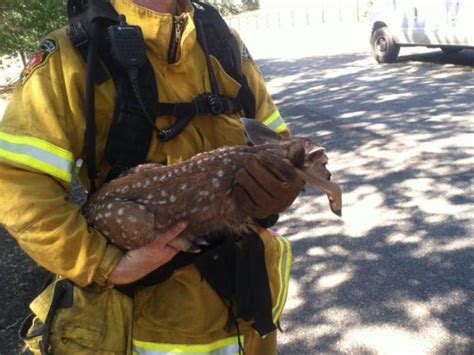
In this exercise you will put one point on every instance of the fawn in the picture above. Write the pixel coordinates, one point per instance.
(136, 207)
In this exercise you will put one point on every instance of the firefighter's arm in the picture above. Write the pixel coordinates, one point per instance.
(35, 210)
(41, 137)
(266, 110)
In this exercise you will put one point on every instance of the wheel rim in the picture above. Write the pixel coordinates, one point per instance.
(381, 46)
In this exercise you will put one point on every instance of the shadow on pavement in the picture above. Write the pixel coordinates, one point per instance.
(464, 57)
(395, 274)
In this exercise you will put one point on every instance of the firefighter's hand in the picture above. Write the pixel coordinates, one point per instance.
(266, 185)
(139, 262)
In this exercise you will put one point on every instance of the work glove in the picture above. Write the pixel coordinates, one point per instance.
(267, 184)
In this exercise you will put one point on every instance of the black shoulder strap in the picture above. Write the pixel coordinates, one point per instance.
(87, 20)
(223, 45)
(82, 15)
(130, 134)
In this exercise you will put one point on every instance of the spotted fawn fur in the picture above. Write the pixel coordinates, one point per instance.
(136, 208)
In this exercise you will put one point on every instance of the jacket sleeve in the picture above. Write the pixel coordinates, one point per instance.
(41, 137)
(266, 110)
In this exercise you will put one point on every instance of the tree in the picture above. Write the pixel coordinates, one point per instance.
(24, 23)
(226, 7)
(250, 5)
(232, 7)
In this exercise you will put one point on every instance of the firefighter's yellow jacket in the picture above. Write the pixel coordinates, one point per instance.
(42, 139)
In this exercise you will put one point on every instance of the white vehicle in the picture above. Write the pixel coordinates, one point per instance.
(447, 24)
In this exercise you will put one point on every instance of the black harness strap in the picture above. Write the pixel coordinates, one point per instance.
(130, 133)
(223, 45)
(237, 274)
(254, 301)
(134, 116)
(203, 41)
(82, 14)
(88, 21)
(90, 108)
(205, 103)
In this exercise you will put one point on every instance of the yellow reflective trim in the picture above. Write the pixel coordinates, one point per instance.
(275, 122)
(286, 283)
(274, 116)
(281, 128)
(38, 143)
(284, 268)
(185, 348)
(37, 164)
(280, 275)
(37, 154)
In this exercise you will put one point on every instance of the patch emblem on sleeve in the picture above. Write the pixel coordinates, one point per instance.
(246, 53)
(46, 47)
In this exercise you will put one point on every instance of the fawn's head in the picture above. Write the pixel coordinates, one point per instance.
(312, 168)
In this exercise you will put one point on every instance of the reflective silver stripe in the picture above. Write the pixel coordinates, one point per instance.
(230, 350)
(228, 346)
(16, 149)
(275, 124)
(284, 267)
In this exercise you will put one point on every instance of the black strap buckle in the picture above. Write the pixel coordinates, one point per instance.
(209, 103)
(215, 103)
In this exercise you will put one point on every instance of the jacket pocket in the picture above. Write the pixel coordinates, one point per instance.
(227, 84)
(92, 319)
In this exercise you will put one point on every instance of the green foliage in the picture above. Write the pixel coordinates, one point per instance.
(232, 7)
(250, 5)
(24, 23)
(225, 7)
(367, 8)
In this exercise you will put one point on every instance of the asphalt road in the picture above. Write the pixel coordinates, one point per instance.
(395, 274)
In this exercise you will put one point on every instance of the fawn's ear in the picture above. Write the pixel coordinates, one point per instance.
(258, 133)
(315, 153)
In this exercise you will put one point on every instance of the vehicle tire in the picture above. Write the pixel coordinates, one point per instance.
(451, 50)
(384, 48)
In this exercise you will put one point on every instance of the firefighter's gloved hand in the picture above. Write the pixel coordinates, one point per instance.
(266, 185)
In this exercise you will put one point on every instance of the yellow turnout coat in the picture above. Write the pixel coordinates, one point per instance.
(42, 137)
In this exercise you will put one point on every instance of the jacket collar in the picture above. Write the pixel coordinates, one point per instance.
(157, 27)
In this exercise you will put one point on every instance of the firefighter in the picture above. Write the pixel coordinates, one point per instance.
(43, 140)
